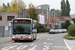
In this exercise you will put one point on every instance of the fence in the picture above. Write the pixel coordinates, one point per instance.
(5, 31)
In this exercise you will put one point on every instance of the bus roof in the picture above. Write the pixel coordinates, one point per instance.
(21, 19)
(34, 20)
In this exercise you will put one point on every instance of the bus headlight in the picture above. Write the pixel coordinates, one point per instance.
(30, 37)
(13, 37)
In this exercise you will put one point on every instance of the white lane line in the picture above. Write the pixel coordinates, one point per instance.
(32, 44)
(8, 47)
(21, 47)
(5, 48)
(67, 44)
(35, 42)
(48, 43)
(33, 48)
(18, 43)
(50, 39)
(24, 47)
(47, 47)
(44, 49)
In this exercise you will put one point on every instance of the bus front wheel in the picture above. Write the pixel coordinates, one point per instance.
(15, 40)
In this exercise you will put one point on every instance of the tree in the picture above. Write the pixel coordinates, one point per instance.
(62, 25)
(32, 12)
(18, 3)
(63, 8)
(67, 11)
(14, 10)
(4, 7)
(8, 6)
(67, 23)
(0, 8)
(56, 11)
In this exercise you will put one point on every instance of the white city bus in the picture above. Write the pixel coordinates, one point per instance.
(24, 29)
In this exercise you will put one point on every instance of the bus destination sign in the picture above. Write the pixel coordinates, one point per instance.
(22, 21)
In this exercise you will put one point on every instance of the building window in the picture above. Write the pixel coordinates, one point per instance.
(67, 19)
(0, 18)
(45, 19)
(54, 20)
(9, 18)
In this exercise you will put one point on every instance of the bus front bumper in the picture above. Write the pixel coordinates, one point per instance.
(22, 39)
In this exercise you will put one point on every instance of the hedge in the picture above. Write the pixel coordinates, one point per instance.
(71, 30)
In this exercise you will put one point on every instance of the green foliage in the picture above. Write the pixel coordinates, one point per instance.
(41, 28)
(62, 25)
(71, 30)
(4, 7)
(8, 6)
(67, 12)
(47, 30)
(66, 24)
(14, 10)
(57, 12)
(65, 8)
(18, 3)
(32, 13)
(0, 8)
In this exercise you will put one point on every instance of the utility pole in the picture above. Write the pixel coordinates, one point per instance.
(47, 17)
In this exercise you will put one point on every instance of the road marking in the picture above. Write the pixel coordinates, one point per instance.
(33, 48)
(50, 39)
(18, 43)
(35, 42)
(37, 37)
(48, 43)
(47, 47)
(44, 49)
(32, 44)
(67, 44)
(21, 47)
(24, 47)
(8, 47)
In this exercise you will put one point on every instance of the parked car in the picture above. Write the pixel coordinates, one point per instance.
(56, 31)
(61, 30)
(51, 31)
(65, 30)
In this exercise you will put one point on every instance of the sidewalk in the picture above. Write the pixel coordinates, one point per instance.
(5, 39)
(70, 44)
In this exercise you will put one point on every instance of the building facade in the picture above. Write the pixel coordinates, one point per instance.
(6, 17)
(73, 17)
(44, 6)
(54, 22)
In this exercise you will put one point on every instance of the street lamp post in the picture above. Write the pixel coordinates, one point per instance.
(47, 18)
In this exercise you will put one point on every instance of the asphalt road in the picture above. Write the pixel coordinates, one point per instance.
(44, 41)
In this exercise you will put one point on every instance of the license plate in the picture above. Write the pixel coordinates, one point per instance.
(21, 39)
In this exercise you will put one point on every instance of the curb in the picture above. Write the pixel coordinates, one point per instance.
(68, 38)
(5, 39)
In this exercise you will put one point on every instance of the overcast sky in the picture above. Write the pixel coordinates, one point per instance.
(53, 3)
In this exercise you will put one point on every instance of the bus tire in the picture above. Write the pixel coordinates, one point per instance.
(15, 41)
(35, 39)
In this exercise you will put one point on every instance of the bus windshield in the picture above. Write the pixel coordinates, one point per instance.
(21, 28)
